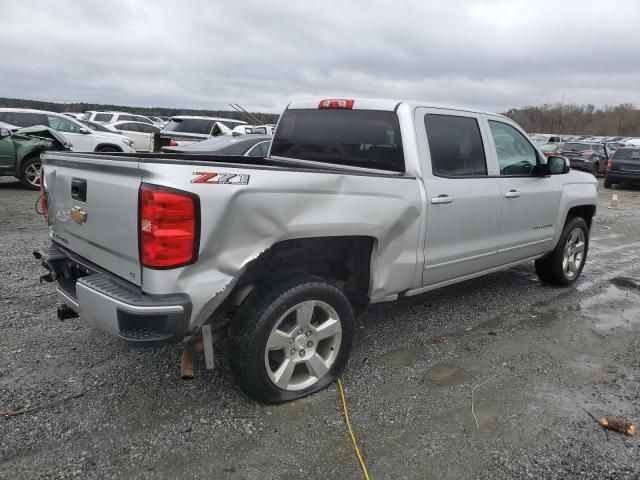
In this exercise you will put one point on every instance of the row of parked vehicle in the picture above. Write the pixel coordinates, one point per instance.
(615, 158)
(25, 133)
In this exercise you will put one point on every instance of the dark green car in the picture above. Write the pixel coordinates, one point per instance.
(20, 150)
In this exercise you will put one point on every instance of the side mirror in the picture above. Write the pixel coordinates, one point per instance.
(4, 133)
(558, 165)
(85, 131)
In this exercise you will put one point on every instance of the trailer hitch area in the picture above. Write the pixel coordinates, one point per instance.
(198, 344)
(47, 277)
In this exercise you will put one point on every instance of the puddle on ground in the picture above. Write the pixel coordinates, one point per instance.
(445, 374)
(543, 319)
(616, 307)
(492, 322)
(401, 357)
(626, 283)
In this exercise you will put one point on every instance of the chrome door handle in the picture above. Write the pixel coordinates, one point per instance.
(442, 199)
(512, 194)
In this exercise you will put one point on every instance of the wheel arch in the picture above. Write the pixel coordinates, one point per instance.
(344, 261)
(585, 211)
(107, 145)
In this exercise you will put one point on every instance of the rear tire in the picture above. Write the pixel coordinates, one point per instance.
(108, 150)
(564, 264)
(290, 338)
(29, 175)
(596, 169)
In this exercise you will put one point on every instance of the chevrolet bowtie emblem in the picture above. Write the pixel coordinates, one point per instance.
(78, 215)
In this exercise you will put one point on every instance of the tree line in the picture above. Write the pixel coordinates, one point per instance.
(81, 107)
(621, 120)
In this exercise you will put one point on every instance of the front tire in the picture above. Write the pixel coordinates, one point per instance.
(291, 338)
(30, 173)
(564, 265)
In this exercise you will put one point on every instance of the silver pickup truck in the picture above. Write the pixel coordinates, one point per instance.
(359, 201)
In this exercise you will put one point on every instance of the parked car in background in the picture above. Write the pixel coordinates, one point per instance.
(634, 142)
(158, 122)
(623, 167)
(611, 147)
(590, 157)
(115, 117)
(243, 129)
(250, 145)
(82, 137)
(542, 138)
(20, 150)
(548, 149)
(264, 129)
(185, 129)
(77, 116)
(142, 134)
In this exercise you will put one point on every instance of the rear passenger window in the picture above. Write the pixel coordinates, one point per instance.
(103, 117)
(455, 145)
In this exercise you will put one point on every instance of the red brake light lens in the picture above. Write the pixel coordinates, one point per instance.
(169, 227)
(173, 143)
(44, 201)
(336, 103)
(609, 164)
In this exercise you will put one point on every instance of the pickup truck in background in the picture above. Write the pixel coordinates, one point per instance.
(358, 201)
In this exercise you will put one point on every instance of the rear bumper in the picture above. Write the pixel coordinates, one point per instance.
(618, 176)
(582, 165)
(113, 305)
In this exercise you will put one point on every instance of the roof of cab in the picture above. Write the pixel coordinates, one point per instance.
(384, 104)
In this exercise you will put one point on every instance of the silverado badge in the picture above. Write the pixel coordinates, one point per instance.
(78, 215)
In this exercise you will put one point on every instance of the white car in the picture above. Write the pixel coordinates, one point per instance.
(141, 133)
(115, 117)
(542, 138)
(186, 129)
(83, 137)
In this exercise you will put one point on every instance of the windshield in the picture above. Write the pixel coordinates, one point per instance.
(627, 154)
(359, 138)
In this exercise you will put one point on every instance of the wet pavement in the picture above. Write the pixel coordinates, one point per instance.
(545, 353)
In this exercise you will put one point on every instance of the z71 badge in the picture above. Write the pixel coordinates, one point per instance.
(221, 178)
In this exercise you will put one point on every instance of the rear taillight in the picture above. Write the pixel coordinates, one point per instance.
(44, 201)
(609, 164)
(336, 103)
(169, 227)
(173, 143)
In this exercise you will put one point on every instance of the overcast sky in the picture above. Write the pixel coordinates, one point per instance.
(263, 54)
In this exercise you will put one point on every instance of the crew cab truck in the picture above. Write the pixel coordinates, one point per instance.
(359, 201)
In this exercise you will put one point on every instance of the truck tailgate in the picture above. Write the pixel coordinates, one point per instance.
(93, 209)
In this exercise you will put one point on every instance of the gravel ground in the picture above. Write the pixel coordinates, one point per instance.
(555, 351)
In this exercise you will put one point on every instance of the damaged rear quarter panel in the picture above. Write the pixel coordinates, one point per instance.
(240, 222)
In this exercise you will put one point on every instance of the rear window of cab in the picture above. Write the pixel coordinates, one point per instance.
(355, 138)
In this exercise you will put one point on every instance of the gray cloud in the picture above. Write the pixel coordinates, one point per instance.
(261, 54)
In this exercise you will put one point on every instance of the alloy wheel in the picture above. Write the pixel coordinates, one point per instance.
(573, 253)
(303, 345)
